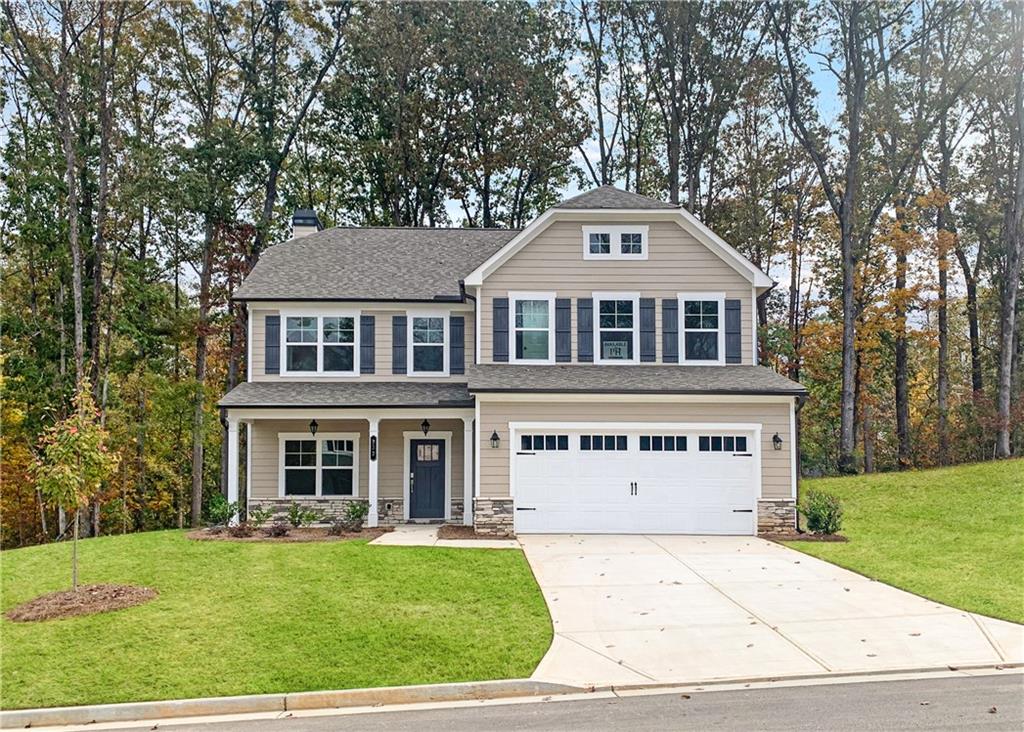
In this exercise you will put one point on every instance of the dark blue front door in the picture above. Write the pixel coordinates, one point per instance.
(426, 479)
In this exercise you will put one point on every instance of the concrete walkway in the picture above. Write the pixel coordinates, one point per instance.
(672, 609)
(426, 535)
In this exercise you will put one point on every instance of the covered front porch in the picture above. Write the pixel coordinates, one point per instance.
(409, 462)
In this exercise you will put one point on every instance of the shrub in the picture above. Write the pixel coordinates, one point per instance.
(260, 516)
(350, 520)
(241, 531)
(278, 528)
(823, 511)
(299, 516)
(219, 511)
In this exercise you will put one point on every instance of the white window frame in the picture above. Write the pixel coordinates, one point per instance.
(320, 343)
(446, 345)
(597, 298)
(615, 236)
(718, 297)
(318, 438)
(513, 298)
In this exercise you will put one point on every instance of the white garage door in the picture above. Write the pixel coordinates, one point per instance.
(601, 479)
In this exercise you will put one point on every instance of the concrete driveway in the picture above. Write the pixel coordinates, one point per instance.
(667, 609)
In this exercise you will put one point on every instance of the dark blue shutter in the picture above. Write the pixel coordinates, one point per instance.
(398, 344)
(585, 329)
(670, 330)
(457, 351)
(563, 330)
(733, 332)
(366, 344)
(272, 345)
(648, 333)
(500, 330)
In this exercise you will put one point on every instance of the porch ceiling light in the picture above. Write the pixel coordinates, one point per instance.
(776, 441)
(313, 427)
(425, 426)
(495, 439)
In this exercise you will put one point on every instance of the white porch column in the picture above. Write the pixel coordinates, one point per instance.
(468, 471)
(233, 465)
(374, 452)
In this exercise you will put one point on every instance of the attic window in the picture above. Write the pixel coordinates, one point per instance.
(615, 242)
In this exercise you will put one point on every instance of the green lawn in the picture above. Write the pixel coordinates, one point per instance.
(955, 535)
(250, 618)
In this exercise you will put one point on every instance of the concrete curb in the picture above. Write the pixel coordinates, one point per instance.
(156, 710)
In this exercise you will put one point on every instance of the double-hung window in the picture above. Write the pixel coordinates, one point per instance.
(702, 330)
(532, 334)
(315, 344)
(324, 466)
(615, 242)
(428, 344)
(616, 335)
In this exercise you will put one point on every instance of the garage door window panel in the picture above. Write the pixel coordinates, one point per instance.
(548, 443)
(722, 443)
(663, 443)
(609, 443)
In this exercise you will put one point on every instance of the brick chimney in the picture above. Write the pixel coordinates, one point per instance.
(304, 222)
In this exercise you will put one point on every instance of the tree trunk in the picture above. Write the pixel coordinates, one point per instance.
(200, 393)
(971, 285)
(902, 377)
(74, 554)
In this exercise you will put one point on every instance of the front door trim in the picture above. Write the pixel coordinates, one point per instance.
(407, 438)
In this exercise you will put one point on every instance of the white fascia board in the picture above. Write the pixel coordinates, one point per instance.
(341, 413)
(328, 307)
(684, 218)
(491, 397)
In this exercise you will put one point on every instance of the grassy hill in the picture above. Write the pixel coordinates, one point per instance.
(955, 535)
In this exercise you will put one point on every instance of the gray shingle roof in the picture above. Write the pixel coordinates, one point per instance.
(371, 264)
(653, 379)
(375, 394)
(612, 197)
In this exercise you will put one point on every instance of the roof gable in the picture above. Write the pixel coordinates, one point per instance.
(604, 198)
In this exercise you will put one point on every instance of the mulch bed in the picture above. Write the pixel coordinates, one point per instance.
(293, 536)
(86, 600)
(460, 531)
(793, 536)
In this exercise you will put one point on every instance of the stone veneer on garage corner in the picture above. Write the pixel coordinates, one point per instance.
(775, 517)
(493, 516)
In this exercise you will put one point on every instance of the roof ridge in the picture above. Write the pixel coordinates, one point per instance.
(421, 228)
(604, 191)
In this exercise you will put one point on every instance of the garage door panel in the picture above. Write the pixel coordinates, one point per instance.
(659, 489)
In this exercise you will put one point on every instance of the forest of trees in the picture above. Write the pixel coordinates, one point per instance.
(868, 156)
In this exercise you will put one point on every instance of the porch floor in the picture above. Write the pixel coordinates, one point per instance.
(426, 535)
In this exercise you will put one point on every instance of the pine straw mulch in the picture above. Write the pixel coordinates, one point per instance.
(293, 536)
(461, 531)
(86, 600)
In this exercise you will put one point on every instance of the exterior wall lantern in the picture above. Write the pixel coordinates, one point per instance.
(313, 427)
(776, 441)
(425, 426)
(495, 440)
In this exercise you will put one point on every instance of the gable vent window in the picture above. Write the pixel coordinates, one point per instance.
(615, 242)
(320, 344)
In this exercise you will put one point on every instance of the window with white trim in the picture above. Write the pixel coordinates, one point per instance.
(615, 328)
(532, 334)
(428, 344)
(322, 466)
(702, 330)
(615, 242)
(320, 344)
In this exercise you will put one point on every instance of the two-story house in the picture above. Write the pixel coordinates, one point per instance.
(593, 372)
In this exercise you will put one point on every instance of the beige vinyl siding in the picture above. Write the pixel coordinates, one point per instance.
(391, 457)
(773, 417)
(382, 348)
(553, 262)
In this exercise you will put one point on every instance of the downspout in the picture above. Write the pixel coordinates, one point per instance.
(800, 401)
